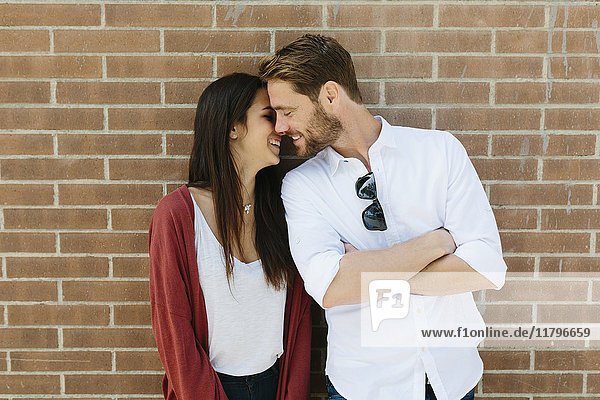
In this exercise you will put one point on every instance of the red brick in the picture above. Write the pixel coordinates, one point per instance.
(26, 194)
(24, 40)
(131, 218)
(520, 264)
(540, 194)
(105, 291)
(505, 169)
(50, 67)
(415, 117)
(103, 242)
(499, 360)
(436, 92)
(217, 41)
(108, 92)
(113, 384)
(106, 41)
(2, 357)
(184, 92)
(109, 194)
(49, 14)
(28, 291)
(574, 169)
(380, 15)
(567, 360)
(475, 144)
(138, 361)
(392, 66)
(593, 383)
(24, 92)
(490, 67)
(49, 218)
(355, 41)
(576, 67)
(539, 290)
(488, 119)
(369, 92)
(570, 219)
(108, 337)
(502, 313)
(134, 314)
(109, 144)
(153, 15)
(130, 267)
(159, 66)
(153, 169)
(17, 338)
(495, 15)
(574, 42)
(538, 242)
(540, 92)
(521, 42)
(573, 119)
(230, 64)
(43, 314)
(27, 242)
(29, 384)
(51, 118)
(13, 144)
(438, 41)
(568, 313)
(565, 264)
(179, 144)
(532, 383)
(60, 361)
(556, 145)
(516, 219)
(579, 16)
(260, 16)
(151, 118)
(56, 267)
(48, 168)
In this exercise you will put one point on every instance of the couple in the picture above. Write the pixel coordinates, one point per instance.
(229, 311)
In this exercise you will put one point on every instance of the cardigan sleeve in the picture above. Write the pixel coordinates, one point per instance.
(189, 373)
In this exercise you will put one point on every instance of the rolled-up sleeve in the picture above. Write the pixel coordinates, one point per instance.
(316, 247)
(469, 217)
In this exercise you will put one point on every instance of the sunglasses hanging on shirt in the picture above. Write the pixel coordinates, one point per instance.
(372, 216)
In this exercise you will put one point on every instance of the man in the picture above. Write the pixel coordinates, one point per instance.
(385, 191)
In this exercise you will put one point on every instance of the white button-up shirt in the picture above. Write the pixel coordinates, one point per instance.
(424, 180)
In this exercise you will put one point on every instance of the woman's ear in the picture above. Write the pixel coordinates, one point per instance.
(233, 134)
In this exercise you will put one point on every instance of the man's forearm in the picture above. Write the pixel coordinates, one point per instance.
(448, 275)
(405, 260)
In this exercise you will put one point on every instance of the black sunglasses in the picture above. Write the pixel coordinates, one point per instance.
(372, 216)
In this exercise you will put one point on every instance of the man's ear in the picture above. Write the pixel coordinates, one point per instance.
(330, 95)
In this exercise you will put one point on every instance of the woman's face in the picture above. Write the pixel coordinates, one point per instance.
(257, 144)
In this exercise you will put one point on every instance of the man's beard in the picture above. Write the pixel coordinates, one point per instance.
(322, 131)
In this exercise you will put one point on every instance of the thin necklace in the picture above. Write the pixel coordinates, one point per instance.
(247, 208)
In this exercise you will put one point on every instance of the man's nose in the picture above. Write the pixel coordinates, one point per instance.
(281, 127)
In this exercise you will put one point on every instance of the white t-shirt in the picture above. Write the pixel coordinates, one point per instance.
(245, 325)
(424, 181)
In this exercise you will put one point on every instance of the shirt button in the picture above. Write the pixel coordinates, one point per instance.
(419, 310)
(297, 240)
(422, 349)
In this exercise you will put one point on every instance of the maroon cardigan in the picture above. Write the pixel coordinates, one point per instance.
(179, 315)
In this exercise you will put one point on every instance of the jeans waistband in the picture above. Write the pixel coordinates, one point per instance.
(253, 377)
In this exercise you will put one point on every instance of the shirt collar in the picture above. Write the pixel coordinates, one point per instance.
(386, 139)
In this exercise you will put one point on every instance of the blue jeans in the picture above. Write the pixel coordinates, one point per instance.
(333, 394)
(261, 386)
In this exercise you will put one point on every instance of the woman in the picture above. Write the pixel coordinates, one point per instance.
(229, 313)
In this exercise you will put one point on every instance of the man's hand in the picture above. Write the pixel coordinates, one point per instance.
(349, 248)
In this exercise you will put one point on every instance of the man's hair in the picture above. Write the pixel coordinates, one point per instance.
(309, 62)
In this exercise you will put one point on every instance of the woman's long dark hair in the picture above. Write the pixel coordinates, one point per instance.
(224, 103)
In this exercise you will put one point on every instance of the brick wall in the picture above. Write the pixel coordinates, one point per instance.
(97, 103)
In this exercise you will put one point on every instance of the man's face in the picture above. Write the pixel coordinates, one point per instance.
(307, 123)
